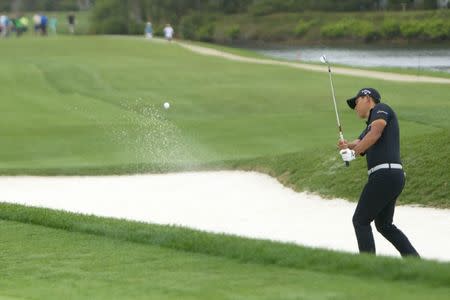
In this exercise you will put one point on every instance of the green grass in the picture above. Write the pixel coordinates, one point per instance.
(329, 177)
(93, 105)
(412, 71)
(101, 258)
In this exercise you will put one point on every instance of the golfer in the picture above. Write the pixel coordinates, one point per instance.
(380, 143)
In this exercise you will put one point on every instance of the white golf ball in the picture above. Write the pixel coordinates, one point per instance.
(166, 105)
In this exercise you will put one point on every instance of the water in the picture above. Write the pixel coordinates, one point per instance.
(418, 59)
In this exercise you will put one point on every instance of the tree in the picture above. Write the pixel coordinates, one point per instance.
(430, 4)
(110, 16)
(16, 5)
(84, 4)
(136, 8)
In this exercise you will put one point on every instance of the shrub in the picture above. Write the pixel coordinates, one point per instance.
(136, 27)
(197, 27)
(205, 33)
(390, 28)
(336, 30)
(262, 8)
(109, 17)
(437, 29)
(364, 30)
(266, 7)
(233, 33)
(112, 26)
(350, 28)
(187, 28)
(158, 30)
(411, 29)
(302, 28)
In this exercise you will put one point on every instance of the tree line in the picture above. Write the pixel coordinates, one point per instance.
(44, 5)
(128, 16)
(177, 8)
(121, 16)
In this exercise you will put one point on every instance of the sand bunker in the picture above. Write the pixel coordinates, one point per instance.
(248, 204)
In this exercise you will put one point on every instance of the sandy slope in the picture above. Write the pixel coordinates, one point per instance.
(243, 203)
(335, 70)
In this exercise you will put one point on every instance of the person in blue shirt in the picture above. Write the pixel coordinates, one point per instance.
(149, 30)
(52, 24)
(44, 23)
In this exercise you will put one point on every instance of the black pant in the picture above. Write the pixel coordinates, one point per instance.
(377, 202)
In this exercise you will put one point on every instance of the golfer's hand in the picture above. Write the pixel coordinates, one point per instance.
(347, 154)
(342, 144)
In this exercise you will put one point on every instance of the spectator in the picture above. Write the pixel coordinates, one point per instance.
(52, 24)
(168, 32)
(1, 23)
(24, 22)
(71, 21)
(13, 22)
(4, 25)
(37, 23)
(21, 25)
(44, 23)
(149, 30)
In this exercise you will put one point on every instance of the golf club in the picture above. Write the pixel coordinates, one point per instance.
(324, 60)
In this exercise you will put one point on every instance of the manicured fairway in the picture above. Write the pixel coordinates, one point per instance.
(94, 101)
(93, 105)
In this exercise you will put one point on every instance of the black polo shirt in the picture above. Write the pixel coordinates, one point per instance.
(387, 148)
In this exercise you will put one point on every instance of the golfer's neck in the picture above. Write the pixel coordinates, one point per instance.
(367, 114)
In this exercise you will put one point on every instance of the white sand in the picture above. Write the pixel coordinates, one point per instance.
(242, 203)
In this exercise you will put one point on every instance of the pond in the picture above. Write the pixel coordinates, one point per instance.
(437, 59)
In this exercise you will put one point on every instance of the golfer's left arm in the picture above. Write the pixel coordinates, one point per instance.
(375, 132)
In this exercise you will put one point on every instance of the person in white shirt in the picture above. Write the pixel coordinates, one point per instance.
(37, 23)
(4, 25)
(168, 32)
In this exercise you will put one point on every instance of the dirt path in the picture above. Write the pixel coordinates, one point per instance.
(336, 70)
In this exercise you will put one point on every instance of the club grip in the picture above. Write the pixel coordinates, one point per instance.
(347, 164)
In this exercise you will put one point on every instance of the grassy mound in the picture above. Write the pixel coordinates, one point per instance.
(241, 249)
(93, 105)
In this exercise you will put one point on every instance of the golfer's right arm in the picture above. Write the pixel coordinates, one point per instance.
(346, 145)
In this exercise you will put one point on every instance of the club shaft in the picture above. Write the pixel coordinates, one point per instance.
(341, 135)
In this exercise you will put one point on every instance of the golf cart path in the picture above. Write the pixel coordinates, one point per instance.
(337, 70)
(248, 204)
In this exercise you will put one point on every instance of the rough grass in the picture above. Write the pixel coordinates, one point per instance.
(427, 184)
